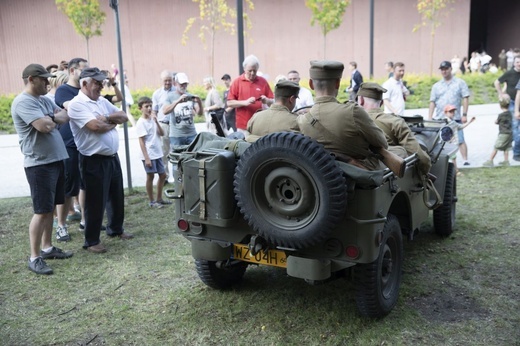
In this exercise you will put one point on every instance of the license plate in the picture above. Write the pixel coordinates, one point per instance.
(274, 258)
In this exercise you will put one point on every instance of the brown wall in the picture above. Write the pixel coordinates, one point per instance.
(281, 37)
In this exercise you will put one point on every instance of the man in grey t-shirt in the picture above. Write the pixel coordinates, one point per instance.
(35, 119)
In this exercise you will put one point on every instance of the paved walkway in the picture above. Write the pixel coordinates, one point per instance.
(480, 137)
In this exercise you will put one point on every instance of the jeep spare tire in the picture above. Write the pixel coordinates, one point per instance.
(290, 190)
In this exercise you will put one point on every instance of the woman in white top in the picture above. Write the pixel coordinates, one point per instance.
(213, 102)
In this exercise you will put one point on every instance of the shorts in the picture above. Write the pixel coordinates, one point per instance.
(504, 142)
(460, 133)
(178, 141)
(157, 167)
(47, 183)
(72, 174)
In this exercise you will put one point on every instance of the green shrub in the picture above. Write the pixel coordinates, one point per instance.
(6, 121)
(480, 86)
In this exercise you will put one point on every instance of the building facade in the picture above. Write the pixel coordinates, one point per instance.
(281, 37)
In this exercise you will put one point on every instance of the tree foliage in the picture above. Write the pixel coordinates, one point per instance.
(215, 15)
(328, 14)
(432, 12)
(85, 15)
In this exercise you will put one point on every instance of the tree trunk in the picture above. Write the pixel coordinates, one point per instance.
(324, 46)
(432, 48)
(88, 49)
(212, 57)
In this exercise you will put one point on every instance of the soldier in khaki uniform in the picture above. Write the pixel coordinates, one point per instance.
(344, 129)
(400, 138)
(278, 117)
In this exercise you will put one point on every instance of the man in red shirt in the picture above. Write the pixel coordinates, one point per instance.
(249, 93)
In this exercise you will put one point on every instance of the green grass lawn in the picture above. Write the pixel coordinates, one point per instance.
(462, 290)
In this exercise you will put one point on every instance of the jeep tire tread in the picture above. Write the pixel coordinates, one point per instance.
(290, 190)
(378, 283)
(444, 216)
(220, 278)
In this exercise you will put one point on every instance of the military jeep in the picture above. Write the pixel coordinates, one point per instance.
(285, 201)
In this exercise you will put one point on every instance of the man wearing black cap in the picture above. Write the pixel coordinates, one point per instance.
(230, 112)
(454, 91)
(344, 129)
(278, 117)
(93, 121)
(400, 138)
(35, 119)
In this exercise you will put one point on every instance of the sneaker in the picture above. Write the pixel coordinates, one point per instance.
(77, 209)
(163, 202)
(504, 164)
(516, 157)
(62, 234)
(56, 253)
(155, 204)
(82, 227)
(466, 163)
(39, 266)
(488, 163)
(74, 217)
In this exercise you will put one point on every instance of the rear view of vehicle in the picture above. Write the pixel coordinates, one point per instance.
(284, 201)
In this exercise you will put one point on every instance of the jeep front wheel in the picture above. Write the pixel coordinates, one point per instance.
(378, 283)
(444, 216)
(290, 190)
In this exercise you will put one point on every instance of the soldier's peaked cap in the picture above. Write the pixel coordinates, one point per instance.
(286, 88)
(326, 69)
(372, 90)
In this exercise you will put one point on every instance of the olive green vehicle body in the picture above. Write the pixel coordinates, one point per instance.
(220, 225)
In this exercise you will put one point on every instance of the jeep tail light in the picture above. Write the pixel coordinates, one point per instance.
(352, 251)
(183, 225)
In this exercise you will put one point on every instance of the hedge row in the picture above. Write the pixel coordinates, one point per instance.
(480, 85)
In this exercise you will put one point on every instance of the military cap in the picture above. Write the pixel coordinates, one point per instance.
(326, 69)
(286, 88)
(371, 90)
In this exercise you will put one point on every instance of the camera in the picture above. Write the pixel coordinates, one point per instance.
(189, 97)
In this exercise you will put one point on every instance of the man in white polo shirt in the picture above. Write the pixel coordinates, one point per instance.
(93, 121)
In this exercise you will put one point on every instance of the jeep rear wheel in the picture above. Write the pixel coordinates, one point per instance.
(378, 283)
(290, 190)
(444, 216)
(219, 275)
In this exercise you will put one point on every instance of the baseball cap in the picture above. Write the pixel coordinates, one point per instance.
(36, 70)
(449, 108)
(93, 72)
(445, 64)
(181, 78)
(226, 77)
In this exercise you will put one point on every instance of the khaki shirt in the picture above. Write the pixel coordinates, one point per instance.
(277, 118)
(346, 129)
(397, 132)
